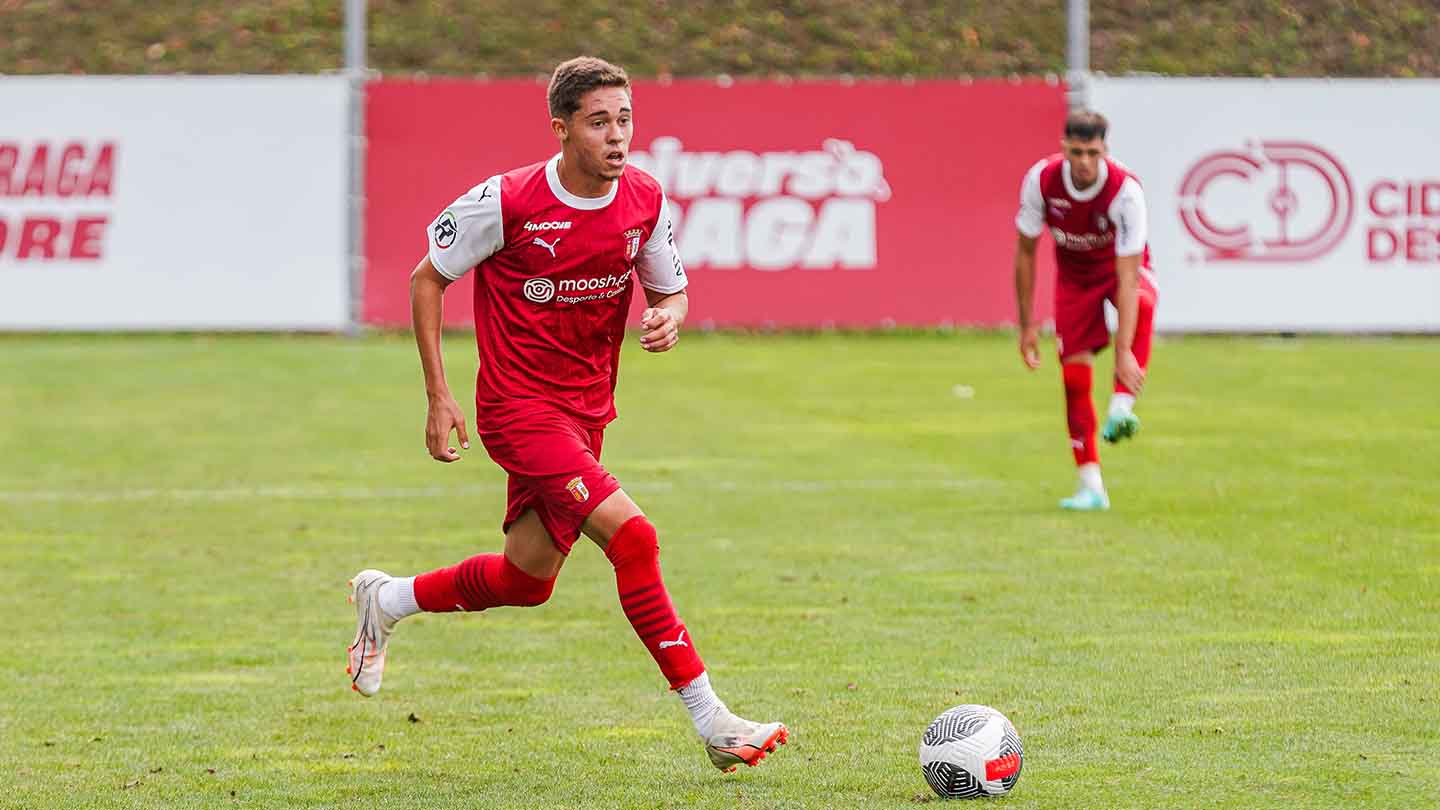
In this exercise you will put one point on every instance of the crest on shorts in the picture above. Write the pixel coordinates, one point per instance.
(632, 243)
(578, 490)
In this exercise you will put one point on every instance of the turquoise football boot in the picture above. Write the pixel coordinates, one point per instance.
(1086, 500)
(1120, 426)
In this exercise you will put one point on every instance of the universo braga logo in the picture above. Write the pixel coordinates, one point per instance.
(771, 210)
(1290, 201)
(55, 198)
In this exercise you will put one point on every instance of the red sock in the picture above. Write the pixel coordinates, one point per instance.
(483, 581)
(1080, 413)
(1144, 326)
(635, 553)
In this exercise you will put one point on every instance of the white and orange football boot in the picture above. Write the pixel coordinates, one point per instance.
(366, 654)
(737, 741)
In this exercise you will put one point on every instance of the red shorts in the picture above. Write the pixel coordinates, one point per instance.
(554, 467)
(1080, 311)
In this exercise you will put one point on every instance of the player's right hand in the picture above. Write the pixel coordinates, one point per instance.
(444, 416)
(1030, 347)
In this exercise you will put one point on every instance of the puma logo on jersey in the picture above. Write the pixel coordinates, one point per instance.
(550, 246)
(678, 642)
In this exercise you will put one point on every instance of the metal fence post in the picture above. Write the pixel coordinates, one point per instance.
(355, 75)
(1077, 76)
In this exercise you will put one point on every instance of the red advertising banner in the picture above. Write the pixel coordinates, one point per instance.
(796, 203)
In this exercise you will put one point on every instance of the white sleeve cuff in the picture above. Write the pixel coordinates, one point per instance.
(440, 268)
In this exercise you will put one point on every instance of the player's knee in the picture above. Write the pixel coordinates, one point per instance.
(534, 592)
(515, 587)
(636, 541)
(1076, 376)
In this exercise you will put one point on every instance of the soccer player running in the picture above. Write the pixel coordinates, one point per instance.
(553, 247)
(1095, 211)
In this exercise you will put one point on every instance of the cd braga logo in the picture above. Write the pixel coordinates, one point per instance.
(1219, 196)
(1291, 201)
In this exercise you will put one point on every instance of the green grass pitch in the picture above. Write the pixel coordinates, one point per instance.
(857, 540)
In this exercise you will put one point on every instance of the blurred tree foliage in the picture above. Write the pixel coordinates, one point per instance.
(922, 38)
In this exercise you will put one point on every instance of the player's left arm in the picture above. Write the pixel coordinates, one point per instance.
(662, 276)
(1128, 214)
(662, 320)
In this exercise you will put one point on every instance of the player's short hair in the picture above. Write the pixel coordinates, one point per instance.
(1086, 125)
(576, 77)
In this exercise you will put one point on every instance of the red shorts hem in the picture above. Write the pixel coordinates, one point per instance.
(554, 468)
(565, 527)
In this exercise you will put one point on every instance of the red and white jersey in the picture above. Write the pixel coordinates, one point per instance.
(553, 284)
(1090, 227)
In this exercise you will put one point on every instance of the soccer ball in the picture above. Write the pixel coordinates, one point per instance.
(971, 751)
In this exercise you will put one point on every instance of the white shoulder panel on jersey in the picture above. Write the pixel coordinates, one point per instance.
(1132, 224)
(660, 267)
(468, 232)
(1031, 218)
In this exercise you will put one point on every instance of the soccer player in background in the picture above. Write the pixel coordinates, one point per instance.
(1095, 211)
(553, 247)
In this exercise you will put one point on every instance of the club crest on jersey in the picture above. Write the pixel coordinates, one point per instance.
(1101, 223)
(632, 243)
(445, 230)
(578, 490)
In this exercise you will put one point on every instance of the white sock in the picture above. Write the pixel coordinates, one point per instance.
(703, 703)
(397, 598)
(1121, 404)
(1089, 478)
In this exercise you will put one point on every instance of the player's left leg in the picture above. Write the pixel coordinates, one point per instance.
(631, 544)
(523, 576)
(1120, 420)
(553, 475)
(1077, 371)
(1079, 333)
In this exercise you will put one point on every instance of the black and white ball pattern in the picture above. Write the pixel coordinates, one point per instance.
(971, 751)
